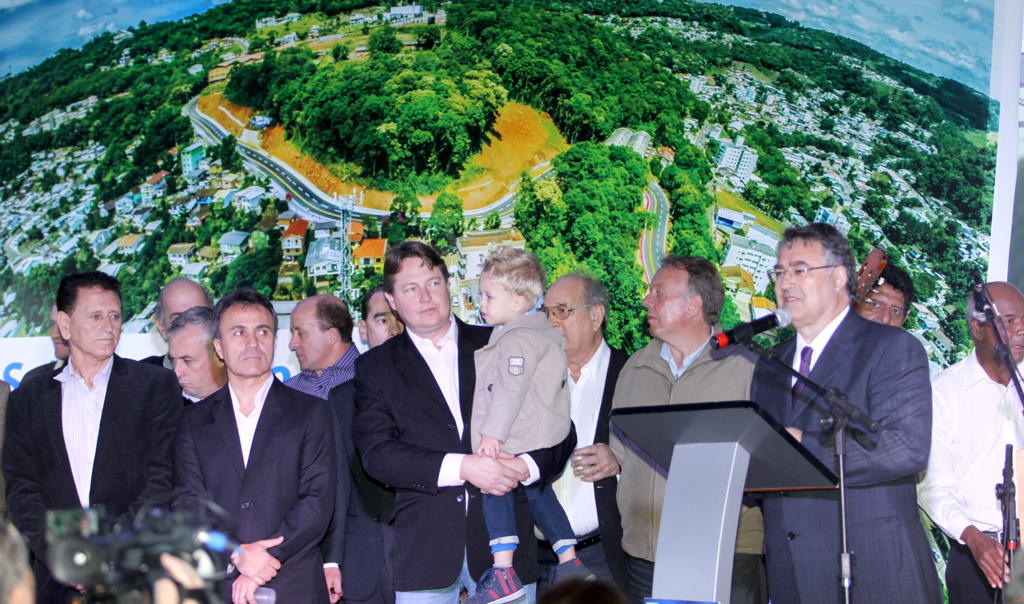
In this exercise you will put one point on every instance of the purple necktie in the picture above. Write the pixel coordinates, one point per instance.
(805, 368)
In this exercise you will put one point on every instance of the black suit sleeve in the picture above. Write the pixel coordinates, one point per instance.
(164, 400)
(341, 404)
(24, 492)
(189, 483)
(551, 461)
(385, 456)
(900, 399)
(307, 520)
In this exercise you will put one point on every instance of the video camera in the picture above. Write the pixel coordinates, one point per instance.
(120, 563)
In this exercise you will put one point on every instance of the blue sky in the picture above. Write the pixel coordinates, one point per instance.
(950, 38)
(32, 30)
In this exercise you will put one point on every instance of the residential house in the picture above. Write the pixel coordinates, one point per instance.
(140, 217)
(181, 254)
(327, 257)
(474, 247)
(293, 239)
(113, 269)
(198, 215)
(326, 229)
(153, 187)
(98, 239)
(126, 204)
(355, 231)
(205, 196)
(152, 226)
(195, 69)
(209, 253)
(130, 244)
(234, 243)
(191, 156)
(370, 253)
(248, 199)
(195, 270)
(109, 250)
(285, 218)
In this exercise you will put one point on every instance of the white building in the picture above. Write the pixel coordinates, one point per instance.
(836, 219)
(737, 157)
(754, 257)
(763, 235)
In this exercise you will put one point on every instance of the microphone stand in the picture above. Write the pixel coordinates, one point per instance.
(1005, 491)
(836, 418)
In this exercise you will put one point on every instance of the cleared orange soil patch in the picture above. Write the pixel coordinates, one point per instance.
(523, 138)
(210, 105)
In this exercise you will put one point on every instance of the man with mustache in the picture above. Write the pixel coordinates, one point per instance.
(976, 413)
(263, 452)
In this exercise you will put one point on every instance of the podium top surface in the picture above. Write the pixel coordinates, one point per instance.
(777, 460)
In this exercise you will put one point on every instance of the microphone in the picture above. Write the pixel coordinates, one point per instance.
(980, 303)
(743, 332)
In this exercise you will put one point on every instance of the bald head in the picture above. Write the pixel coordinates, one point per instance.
(1009, 307)
(179, 295)
(321, 332)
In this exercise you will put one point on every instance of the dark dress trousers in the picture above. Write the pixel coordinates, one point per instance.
(360, 535)
(403, 430)
(133, 454)
(287, 489)
(884, 370)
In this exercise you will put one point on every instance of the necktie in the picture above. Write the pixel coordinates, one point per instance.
(805, 368)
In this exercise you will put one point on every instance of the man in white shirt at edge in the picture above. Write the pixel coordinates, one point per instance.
(577, 306)
(976, 414)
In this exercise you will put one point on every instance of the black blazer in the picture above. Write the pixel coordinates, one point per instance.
(605, 490)
(359, 531)
(133, 453)
(884, 371)
(287, 488)
(403, 430)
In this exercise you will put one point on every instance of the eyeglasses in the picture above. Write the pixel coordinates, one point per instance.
(560, 312)
(797, 273)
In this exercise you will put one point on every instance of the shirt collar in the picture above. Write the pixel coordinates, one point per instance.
(975, 374)
(69, 372)
(590, 367)
(666, 353)
(259, 399)
(424, 343)
(347, 362)
(822, 339)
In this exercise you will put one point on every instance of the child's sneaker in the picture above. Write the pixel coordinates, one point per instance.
(573, 569)
(496, 586)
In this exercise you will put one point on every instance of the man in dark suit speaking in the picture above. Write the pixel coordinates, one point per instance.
(414, 397)
(98, 431)
(263, 452)
(884, 370)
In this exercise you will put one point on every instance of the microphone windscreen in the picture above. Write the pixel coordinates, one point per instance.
(784, 317)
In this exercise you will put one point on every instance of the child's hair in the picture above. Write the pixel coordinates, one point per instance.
(518, 272)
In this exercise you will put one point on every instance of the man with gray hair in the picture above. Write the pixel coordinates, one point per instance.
(190, 350)
(577, 306)
(884, 371)
(976, 413)
(177, 296)
(17, 583)
(679, 367)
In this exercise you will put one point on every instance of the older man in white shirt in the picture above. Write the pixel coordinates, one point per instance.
(577, 306)
(976, 414)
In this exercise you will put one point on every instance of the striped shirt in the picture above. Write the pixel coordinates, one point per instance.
(320, 385)
(81, 411)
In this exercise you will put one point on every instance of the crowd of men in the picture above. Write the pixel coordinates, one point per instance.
(356, 480)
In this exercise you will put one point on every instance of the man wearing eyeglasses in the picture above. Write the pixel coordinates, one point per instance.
(884, 371)
(889, 302)
(679, 367)
(976, 414)
(577, 306)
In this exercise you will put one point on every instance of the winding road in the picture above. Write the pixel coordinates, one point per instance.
(652, 241)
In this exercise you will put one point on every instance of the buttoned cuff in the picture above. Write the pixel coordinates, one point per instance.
(331, 565)
(451, 471)
(957, 525)
(534, 470)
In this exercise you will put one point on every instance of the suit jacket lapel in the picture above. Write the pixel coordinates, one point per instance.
(833, 359)
(224, 417)
(411, 363)
(467, 373)
(111, 434)
(270, 418)
(616, 362)
(52, 401)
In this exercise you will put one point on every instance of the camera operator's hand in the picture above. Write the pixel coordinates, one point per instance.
(256, 563)
(165, 591)
(243, 591)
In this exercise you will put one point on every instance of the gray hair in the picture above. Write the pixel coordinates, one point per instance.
(158, 312)
(594, 293)
(13, 561)
(197, 315)
(837, 249)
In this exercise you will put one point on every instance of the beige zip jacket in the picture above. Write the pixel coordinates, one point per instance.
(647, 380)
(522, 397)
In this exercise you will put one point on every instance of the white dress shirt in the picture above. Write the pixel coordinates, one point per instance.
(973, 419)
(247, 425)
(80, 412)
(818, 344)
(575, 495)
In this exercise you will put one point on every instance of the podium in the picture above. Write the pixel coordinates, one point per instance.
(713, 452)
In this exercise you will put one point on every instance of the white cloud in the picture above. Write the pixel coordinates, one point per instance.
(83, 14)
(862, 23)
(87, 30)
(827, 10)
(936, 49)
(111, 27)
(973, 14)
(12, 4)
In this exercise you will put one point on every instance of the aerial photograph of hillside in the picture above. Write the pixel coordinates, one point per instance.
(286, 144)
